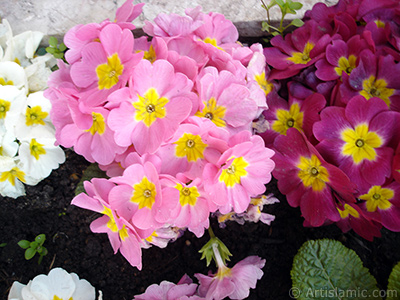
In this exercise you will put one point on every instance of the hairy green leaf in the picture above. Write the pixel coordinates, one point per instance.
(325, 269)
(393, 289)
(93, 171)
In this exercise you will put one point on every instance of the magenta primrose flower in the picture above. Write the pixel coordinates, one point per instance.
(308, 180)
(153, 106)
(359, 139)
(298, 50)
(375, 76)
(123, 235)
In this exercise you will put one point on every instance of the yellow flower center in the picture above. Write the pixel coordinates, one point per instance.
(378, 197)
(379, 23)
(373, 87)
(213, 42)
(58, 298)
(191, 146)
(4, 81)
(312, 173)
(36, 149)
(150, 107)
(360, 143)
(348, 210)
(213, 112)
(98, 125)
(13, 174)
(265, 85)
(150, 55)
(4, 108)
(112, 225)
(346, 65)
(302, 57)
(144, 193)
(288, 119)
(232, 175)
(108, 73)
(187, 195)
(35, 115)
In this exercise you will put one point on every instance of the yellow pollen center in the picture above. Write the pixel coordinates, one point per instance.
(144, 193)
(378, 197)
(288, 118)
(12, 175)
(373, 87)
(302, 57)
(232, 175)
(35, 115)
(150, 107)
(109, 72)
(312, 173)
(98, 125)
(187, 195)
(190, 146)
(213, 112)
(4, 108)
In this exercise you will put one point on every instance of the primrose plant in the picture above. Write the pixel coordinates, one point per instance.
(170, 118)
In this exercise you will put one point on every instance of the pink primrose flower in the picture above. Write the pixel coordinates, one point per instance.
(308, 180)
(241, 173)
(353, 217)
(375, 76)
(192, 210)
(225, 100)
(192, 146)
(298, 50)
(234, 283)
(90, 134)
(123, 235)
(105, 65)
(152, 107)
(295, 113)
(128, 12)
(382, 204)
(138, 197)
(359, 139)
(169, 291)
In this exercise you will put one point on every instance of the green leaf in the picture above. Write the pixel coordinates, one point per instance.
(325, 269)
(34, 244)
(59, 55)
(24, 244)
(51, 50)
(62, 47)
(3, 245)
(29, 253)
(93, 171)
(53, 41)
(280, 3)
(40, 239)
(297, 23)
(295, 5)
(393, 289)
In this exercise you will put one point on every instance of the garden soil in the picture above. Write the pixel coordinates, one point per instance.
(71, 245)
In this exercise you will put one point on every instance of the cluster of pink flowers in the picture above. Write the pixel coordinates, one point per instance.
(170, 120)
(334, 115)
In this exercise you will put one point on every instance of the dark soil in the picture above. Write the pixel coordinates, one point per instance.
(72, 246)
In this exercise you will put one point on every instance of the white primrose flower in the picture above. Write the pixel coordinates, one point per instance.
(39, 156)
(12, 177)
(5, 36)
(12, 101)
(8, 144)
(34, 120)
(57, 285)
(39, 72)
(12, 73)
(22, 47)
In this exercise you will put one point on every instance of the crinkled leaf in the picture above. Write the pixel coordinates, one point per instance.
(93, 171)
(24, 244)
(327, 269)
(29, 253)
(393, 289)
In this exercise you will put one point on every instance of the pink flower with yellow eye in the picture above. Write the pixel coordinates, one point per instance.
(308, 180)
(359, 139)
(106, 64)
(153, 106)
(123, 236)
(240, 173)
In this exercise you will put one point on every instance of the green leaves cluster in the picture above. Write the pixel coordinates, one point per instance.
(34, 247)
(325, 269)
(286, 7)
(55, 48)
(207, 251)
